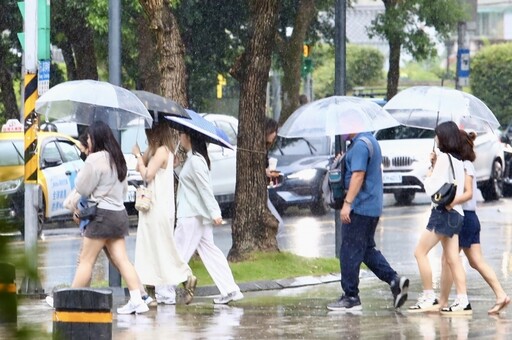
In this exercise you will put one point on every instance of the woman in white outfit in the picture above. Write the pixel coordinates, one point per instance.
(156, 258)
(197, 211)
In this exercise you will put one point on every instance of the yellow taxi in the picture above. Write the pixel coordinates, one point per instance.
(59, 163)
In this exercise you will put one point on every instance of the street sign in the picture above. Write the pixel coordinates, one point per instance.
(463, 66)
(43, 77)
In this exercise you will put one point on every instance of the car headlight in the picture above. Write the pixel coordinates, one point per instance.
(10, 186)
(304, 175)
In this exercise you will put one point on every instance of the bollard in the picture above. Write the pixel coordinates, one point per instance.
(8, 298)
(82, 313)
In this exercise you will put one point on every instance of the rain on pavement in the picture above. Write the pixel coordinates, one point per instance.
(296, 313)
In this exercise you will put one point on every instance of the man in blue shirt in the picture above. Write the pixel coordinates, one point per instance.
(360, 215)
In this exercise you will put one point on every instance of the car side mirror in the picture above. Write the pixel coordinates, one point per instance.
(51, 162)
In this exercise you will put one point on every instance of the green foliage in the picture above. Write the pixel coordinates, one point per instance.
(404, 22)
(427, 71)
(491, 79)
(271, 266)
(364, 68)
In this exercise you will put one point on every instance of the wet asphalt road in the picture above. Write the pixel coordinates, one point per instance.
(300, 312)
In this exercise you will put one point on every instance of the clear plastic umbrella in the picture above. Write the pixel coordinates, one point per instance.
(86, 101)
(427, 106)
(336, 115)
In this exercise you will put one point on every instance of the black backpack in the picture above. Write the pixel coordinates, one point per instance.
(334, 181)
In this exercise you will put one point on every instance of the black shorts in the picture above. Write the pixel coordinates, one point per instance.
(444, 222)
(108, 224)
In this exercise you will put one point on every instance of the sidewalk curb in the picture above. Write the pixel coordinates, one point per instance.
(273, 284)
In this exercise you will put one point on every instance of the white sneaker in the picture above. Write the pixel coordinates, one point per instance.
(147, 299)
(131, 308)
(457, 308)
(49, 300)
(166, 300)
(425, 304)
(233, 296)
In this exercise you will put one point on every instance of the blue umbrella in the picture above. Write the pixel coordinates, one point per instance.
(198, 124)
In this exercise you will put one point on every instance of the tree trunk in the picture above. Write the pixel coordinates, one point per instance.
(394, 69)
(69, 60)
(83, 48)
(170, 49)
(149, 77)
(290, 53)
(7, 95)
(253, 228)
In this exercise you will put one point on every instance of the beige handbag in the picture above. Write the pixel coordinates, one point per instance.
(143, 197)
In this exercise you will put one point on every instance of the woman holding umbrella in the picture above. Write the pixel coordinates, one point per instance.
(197, 211)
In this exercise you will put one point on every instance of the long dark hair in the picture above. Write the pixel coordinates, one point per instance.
(198, 145)
(448, 137)
(102, 139)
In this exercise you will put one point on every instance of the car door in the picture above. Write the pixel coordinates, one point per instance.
(223, 161)
(59, 162)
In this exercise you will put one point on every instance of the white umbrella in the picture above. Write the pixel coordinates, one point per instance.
(85, 101)
(336, 115)
(427, 106)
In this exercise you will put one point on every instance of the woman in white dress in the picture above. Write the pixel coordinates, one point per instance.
(157, 261)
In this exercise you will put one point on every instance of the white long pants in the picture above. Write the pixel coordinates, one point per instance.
(191, 235)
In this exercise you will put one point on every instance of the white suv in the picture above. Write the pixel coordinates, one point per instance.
(405, 162)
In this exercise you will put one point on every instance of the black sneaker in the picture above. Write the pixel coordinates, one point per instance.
(346, 303)
(457, 309)
(399, 287)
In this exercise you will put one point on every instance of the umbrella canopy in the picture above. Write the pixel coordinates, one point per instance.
(336, 115)
(160, 105)
(206, 129)
(427, 106)
(86, 101)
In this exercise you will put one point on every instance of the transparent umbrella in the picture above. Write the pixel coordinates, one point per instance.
(427, 106)
(86, 101)
(336, 115)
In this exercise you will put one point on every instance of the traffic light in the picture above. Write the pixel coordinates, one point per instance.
(306, 50)
(221, 82)
(307, 63)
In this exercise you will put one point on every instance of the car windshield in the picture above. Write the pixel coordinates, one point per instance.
(404, 132)
(10, 152)
(132, 135)
(301, 146)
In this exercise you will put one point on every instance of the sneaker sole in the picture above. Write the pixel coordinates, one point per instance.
(457, 313)
(139, 310)
(402, 297)
(344, 309)
(434, 308)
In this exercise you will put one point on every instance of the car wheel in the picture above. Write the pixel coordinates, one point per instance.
(493, 189)
(40, 220)
(404, 197)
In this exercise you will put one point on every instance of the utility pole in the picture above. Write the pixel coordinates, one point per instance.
(36, 53)
(340, 80)
(114, 77)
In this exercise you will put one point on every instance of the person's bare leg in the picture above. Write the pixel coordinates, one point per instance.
(477, 261)
(426, 242)
(117, 250)
(90, 250)
(141, 286)
(446, 282)
(451, 252)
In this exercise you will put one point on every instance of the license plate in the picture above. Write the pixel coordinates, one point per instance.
(391, 178)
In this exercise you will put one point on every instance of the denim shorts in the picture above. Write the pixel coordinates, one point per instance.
(444, 222)
(470, 232)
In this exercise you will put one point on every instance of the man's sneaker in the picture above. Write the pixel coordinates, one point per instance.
(399, 287)
(346, 303)
(147, 299)
(166, 300)
(457, 309)
(132, 307)
(233, 296)
(425, 304)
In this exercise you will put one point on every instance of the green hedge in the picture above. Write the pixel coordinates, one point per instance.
(491, 79)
